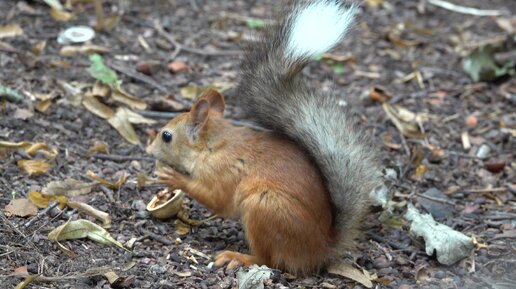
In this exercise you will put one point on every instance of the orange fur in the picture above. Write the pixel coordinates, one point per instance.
(262, 179)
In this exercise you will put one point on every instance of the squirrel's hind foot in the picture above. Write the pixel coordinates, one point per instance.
(234, 259)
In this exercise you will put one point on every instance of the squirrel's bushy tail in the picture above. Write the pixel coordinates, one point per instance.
(276, 97)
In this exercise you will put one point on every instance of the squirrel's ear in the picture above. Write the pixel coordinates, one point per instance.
(199, 115)
(215, 99)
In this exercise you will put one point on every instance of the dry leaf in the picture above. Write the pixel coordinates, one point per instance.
(119, 95)
(20, 208)
(26, 281)
(100, 89)
(39, 47)
(89, 210)
(135, 117)
(404, 120)
(43, 105)
(116, 185)
(348, 271)
(98, 108)
(61, 15)
(30, 148)
(83, 229)
(69, 187)
(120, 121)
(10, 30)
(70, 50)
(98, 147)
(111, 276)
(34, 167)
(22, 113)
(43, 201)
(181, 228)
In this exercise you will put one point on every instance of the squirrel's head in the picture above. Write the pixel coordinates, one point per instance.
(190, 135)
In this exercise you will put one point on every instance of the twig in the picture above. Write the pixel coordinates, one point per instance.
(178, 47)
(152, 235)
(383, 240)
(138, 76)
(41, 213)
(462, 155)
(120, 158)
(486, 190)
(464, 9)
(436, 199)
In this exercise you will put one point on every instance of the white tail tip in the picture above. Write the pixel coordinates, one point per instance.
(317, 27)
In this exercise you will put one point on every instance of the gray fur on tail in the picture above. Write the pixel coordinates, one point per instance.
(274, 95)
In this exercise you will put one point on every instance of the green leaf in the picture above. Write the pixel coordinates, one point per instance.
(481, 65)
(339, 68)
(10, 94)
(101, 72)
(255, 23)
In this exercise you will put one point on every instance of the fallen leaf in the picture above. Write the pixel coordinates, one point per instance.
(115, 185)
(404, 120)
(374, 3)
(100, 90)
(183, 274)
(34, 167)
(26, 281)
(22, 113)
(181, 228)
(98, 147)
(112, 277)
(255, 23)
(55, 4)
(253, 279)
(421, 274)
(450, 246)
(11, 94)
(136, 118)
(348, 271)
(91, 211)
(10, 30)
(61, 15)
(69, 188)
(93, 105)
(71, 50)
(43, 201)
(119, 95)
(120, 121)
(20, 208)
(43, 105)
(101, 72)
(378, 94)
(79, 229)
(481, 65)
(39, 47)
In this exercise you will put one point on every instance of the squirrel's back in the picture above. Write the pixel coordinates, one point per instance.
(276, 97)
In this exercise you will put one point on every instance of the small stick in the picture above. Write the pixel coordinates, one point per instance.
(120, 158)
(436, 199)
(152, 235)
(140, 77)
(464, 9)
(41, 213)
(486, 190)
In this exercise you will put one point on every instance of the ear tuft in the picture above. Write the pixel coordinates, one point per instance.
(215, 99)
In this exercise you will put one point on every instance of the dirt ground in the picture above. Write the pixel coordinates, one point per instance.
(410, 49)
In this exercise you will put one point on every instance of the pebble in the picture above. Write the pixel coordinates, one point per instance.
(405, 286)
(483, 151)
(381, 262)
(138, 205)
(439, 275)
(177, 66)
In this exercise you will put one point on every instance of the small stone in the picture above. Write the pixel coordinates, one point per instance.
(139, 205)
(144, 68)
(471, 121)
(381, 262)
(177, 66)
(405, 286)
(439, 275)
(483, 151)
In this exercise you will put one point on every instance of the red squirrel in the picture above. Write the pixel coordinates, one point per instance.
(300, 189)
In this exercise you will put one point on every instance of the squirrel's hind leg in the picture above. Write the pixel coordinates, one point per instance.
(234, 259)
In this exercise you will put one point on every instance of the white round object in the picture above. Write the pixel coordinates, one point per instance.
(76, 34)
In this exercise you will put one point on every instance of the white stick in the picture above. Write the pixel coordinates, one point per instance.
(466, 10)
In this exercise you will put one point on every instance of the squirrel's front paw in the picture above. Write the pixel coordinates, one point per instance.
(170, 176)
(234, 259)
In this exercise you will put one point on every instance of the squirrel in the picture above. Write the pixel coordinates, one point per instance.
(302, 187)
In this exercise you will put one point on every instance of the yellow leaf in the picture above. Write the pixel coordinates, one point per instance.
(43, 105)
(43, 201)
(34, 167)
(61, 15)
(421, 170)
(70, 50)
(10, 30)
(98, 108)
(136, 118)
(120, 121)
(374, 3)
(26, 281)
(39, 47)
(83, 229)
(182, 228)
(100, 90)
(69, 187)
(115, 185)
(119, 95)
(348, 271)
(98, 147)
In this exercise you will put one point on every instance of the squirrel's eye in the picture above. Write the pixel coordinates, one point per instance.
(166, 136)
